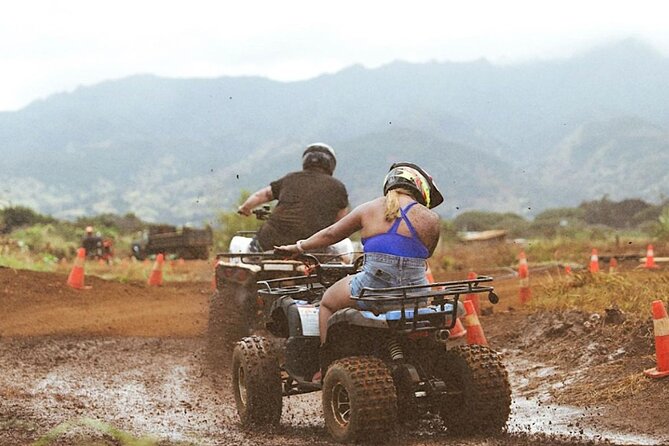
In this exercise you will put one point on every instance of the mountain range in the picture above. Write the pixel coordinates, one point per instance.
(518, 138)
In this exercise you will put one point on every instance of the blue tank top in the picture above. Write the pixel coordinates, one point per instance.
(391, 242)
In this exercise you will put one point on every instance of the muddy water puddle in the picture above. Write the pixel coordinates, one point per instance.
(532, 412)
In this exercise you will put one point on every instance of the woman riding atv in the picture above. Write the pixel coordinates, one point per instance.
(399, 232)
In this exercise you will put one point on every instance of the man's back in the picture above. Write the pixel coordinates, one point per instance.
(308, 201)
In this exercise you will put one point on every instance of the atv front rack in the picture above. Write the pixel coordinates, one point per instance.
(409, 300)
(306, 288)
(317, 277)
(257, 258)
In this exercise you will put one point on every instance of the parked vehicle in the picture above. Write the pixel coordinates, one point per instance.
(187, 243)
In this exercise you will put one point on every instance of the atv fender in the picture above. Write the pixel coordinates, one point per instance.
(301, 317)
(241, 273)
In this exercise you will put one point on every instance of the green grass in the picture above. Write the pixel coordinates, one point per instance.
(123, 270)
(26, 261)
(119, 437)
(631, 291)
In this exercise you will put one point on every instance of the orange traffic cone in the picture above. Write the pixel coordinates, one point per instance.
(524, 276)
(661, 330)
(473, 297)
(458, 331)
(594, 262)
(613, 265)
(76, 277)
(650, 258)
(156, 277)
(474, 331)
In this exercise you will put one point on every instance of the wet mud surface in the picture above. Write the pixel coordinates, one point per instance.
(122, 362)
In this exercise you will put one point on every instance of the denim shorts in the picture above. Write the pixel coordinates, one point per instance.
(386, 270)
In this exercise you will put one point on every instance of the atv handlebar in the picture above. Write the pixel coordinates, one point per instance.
(262, 213)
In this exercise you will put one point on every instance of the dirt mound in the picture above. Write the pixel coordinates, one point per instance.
(590, 360)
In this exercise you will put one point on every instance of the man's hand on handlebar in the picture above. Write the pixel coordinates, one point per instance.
(261, 213)
(242, 210)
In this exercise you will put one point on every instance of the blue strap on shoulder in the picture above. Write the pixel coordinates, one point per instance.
(396, 223)
(406, 219)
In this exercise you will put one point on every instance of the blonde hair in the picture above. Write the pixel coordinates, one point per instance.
(393, 203)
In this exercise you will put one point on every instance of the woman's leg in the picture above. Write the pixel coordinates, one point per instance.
(336, 297)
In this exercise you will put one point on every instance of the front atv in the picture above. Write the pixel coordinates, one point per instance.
(385, 362)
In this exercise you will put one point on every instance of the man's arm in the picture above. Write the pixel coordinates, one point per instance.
(257, 198)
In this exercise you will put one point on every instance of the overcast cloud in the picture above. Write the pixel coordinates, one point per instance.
(51, 46)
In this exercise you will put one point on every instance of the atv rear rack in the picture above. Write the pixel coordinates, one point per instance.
(412, 298)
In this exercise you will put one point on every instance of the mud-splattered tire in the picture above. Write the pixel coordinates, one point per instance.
(256, 383)
(359, 398)
(479, 399)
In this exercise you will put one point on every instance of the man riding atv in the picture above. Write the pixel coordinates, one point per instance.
(308, 200)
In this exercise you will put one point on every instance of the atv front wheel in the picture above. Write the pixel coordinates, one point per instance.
(359, 398)
(256, 383)
(479, 394)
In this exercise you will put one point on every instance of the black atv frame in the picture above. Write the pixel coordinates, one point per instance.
(385, 363)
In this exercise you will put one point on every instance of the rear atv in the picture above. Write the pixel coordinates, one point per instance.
(234, 310)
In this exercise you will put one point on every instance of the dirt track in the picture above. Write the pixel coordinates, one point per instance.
(131, 357)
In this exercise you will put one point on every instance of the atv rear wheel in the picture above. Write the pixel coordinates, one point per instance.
(359, 398)
(256, 383)
(479, 393)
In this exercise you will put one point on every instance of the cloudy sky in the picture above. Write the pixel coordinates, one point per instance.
(49, 46)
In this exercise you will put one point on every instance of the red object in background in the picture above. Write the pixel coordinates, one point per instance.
(76, 277)
(474, 330)
(156, 277)
(524, 276)
(661, 331)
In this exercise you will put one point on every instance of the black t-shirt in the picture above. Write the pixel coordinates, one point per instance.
(308, 202)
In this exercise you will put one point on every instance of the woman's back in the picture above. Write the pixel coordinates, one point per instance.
(377, 231)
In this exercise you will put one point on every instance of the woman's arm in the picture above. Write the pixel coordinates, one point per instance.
(349, 224)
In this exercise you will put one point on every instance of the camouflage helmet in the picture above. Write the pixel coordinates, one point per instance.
(411, 177)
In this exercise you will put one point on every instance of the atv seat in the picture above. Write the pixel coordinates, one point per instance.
(396, 315)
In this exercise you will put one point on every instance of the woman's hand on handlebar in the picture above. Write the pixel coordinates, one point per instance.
(295, 248)
(287, 250)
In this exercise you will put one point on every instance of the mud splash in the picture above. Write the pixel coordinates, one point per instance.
(531, 412)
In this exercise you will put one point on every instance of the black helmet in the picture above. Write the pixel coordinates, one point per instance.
(414, 179)
(319, 155)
